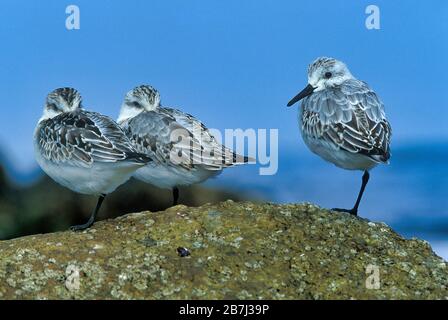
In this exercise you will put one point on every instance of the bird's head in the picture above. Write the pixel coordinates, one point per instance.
(141, 98)
(323, 73)
(59, 101)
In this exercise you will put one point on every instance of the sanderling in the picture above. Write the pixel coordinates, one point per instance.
(342, 120)
(84, 151)
(183, 150)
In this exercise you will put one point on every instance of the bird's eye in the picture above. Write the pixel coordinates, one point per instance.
(136, 104)
(328, 75)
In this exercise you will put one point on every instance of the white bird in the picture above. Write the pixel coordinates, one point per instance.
(343, 121)
(183, 150)
(84, 151)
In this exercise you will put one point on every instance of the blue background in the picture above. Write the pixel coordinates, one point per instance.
(235, 64)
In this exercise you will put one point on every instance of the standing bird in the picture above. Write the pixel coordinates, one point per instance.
(82, 150)
(183, 149)
(343, 121)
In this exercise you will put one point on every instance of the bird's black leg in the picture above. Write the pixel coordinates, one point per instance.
(354, 211)
(175, 195)
(92, 217)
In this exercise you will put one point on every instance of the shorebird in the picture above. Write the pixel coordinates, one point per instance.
(82, 150)
(183, 150)
(343, 121)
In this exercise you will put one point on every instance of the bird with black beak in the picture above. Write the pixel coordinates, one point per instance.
(343, 121)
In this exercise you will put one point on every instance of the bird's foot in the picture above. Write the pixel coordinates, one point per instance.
(81, 227)
(353, 212)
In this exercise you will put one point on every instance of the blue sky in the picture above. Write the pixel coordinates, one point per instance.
(233, 64)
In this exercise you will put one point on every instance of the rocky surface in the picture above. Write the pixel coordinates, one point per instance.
(231, 250)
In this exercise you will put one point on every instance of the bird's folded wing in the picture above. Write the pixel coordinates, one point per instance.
(80, 138)
(166, 140)
(213, 152)
(350, 117)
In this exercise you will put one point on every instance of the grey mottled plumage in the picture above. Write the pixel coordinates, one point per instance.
(80, 138)
(342, 120)
(84, 151)
(184, 150)
(349, 117)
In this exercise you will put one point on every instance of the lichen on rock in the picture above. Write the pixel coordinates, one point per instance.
(236, 251)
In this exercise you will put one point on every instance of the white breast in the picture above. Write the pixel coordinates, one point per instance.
(168, 177)
(100, 178)
(339, 157)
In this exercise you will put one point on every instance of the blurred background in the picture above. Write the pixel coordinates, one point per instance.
(233, 64)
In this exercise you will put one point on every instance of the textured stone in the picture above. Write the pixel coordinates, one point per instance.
(237, 250)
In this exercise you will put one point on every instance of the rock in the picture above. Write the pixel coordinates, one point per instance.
(235, 251)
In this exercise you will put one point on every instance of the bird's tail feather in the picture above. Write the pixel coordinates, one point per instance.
(239, 159)
(138, 157)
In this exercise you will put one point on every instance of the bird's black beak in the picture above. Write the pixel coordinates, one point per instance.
(302, 94)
